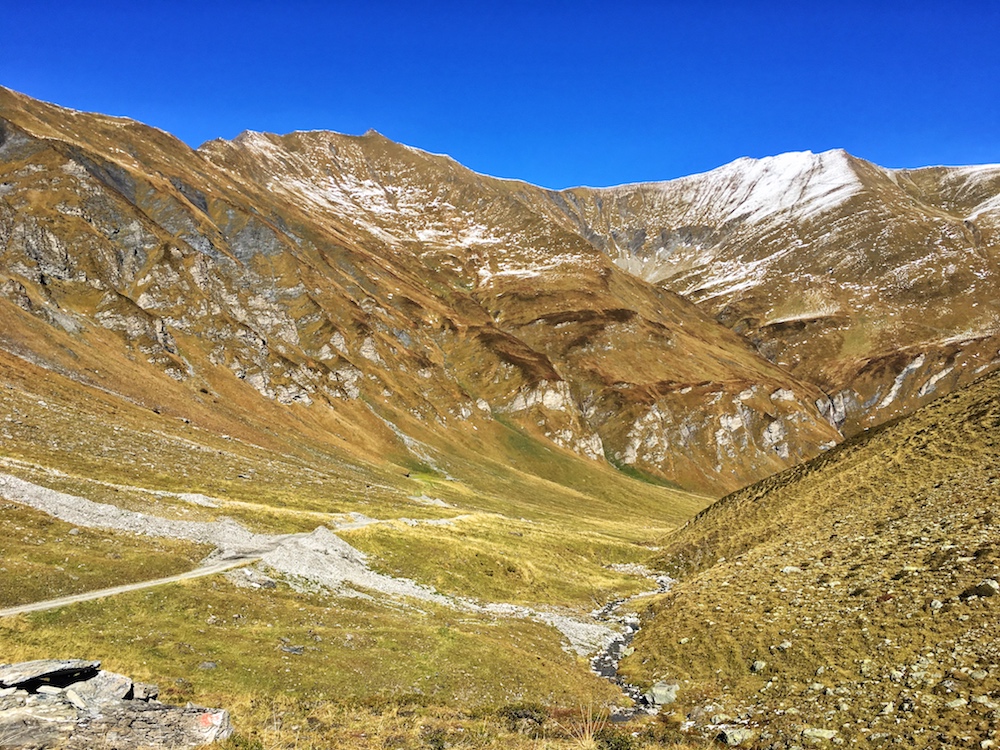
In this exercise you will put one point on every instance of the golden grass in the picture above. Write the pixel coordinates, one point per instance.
(41, 559)
(495, 558)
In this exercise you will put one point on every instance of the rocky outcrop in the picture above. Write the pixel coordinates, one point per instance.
(74, 704)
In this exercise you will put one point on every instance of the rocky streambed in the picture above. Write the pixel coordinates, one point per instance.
(605, 662)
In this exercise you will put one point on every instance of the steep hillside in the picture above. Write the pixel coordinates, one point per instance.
(876, 285)
(372, 284)
(855, 593)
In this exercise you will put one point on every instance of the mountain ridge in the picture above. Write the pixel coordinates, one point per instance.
(371, 254)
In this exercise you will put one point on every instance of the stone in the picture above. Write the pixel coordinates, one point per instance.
(297, 650)
(736, 736)
(824, 735)
(144, 691)
(662, 693)
(207, 665)
(101, 711)
(758, 666)
(986, 588)
(103, 688)
(154, 725)
(47, 671)
(73, 697)
(956, 703)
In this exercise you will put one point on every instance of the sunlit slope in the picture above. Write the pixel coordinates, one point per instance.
(878, 285)
(363, 284)
(858, 578)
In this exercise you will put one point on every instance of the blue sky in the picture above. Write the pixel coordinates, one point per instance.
(556, 93)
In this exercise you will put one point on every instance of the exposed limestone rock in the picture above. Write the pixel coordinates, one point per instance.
(70, 704)
(662, 693)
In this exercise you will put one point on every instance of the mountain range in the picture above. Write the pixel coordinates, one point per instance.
(705, 332)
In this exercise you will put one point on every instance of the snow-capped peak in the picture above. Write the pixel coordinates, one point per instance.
(753, 189)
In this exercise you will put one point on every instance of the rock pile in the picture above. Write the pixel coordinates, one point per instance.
(74, 704)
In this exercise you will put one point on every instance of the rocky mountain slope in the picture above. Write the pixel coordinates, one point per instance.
(876, 285)
(377, 287)
(852, 597)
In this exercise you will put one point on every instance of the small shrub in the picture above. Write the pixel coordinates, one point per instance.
(524, 718)
(435, 739)
(239, 742)
(610, 738)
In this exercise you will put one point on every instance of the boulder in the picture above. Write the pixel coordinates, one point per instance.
(70, 704)
(987, 587)
(59, 672)
(144, 691)
(735, 736)
(662, 694)
(819, 735)
(103, 688)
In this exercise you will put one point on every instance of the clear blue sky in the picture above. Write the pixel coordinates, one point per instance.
(556, 93)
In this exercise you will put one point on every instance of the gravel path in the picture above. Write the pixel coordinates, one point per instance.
(320, 557)
(205, 570)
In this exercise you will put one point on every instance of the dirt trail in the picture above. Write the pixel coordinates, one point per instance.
(205, 570)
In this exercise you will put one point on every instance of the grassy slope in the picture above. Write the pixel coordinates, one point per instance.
(859, 560)
(539, 540)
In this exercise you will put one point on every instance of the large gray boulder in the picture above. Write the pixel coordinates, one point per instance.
(662, 693)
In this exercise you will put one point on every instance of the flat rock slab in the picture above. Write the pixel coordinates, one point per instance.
(151, 725)
(104, 687)
(47, 671)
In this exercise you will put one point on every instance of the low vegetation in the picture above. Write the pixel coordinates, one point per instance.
(44, 558)
(851, 594)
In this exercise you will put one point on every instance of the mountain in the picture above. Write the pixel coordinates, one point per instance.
(360, 274)
(854, 594)
(446, 416)
(875, 285)
(373, 284)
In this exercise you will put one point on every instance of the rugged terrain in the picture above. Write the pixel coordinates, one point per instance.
(442, 418)
(853, 595)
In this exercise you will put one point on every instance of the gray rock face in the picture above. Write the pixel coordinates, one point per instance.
(47, 671)
(103, 688)
(72, 704)
(662, 693)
